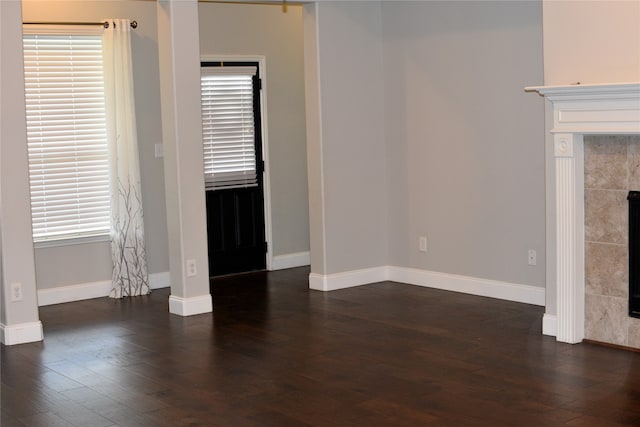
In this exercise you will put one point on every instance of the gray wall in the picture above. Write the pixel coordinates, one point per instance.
(256, 30)
(347, 165)
(233, 29)
(473, 187)
(465, 143)
(85, 263)
(454, 153)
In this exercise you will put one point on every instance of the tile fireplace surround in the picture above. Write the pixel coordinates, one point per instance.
(578, 110)
(611, 170)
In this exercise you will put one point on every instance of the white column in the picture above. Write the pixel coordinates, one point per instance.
(19, 321)
(179, 58)
(347, 196)
(569, 164)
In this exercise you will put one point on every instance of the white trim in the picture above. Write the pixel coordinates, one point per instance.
(266, 178)
(469, 285)
(450, 282)
(549, 325)
(91, 290)
(70, 241)
(21, 333)
(299, 259)
(190, 306)
(72, 293)
(347, 279)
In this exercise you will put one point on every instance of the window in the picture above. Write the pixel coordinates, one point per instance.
(66, 135)
(228, 126)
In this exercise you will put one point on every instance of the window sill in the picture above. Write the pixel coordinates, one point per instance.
(72, 241)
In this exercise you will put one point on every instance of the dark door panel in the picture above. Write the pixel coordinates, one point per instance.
(235, 223)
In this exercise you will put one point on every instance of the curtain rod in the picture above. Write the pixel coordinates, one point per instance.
(105, 24)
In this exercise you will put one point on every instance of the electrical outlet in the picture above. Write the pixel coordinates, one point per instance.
(192, 269)
(423, 244)
(16, 292)
(159, 150)
(532, 257)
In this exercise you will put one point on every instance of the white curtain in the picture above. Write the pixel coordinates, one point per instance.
(130, 276)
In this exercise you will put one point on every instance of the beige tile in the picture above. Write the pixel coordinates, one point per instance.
(606, 319)
(633, 159)
(606, 269)
(634, 333)
(605, 162)
(606, 216)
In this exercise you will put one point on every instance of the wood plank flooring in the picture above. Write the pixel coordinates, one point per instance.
(274, 353)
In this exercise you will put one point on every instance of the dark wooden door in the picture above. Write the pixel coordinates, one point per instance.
(235, 223)
(235, 216)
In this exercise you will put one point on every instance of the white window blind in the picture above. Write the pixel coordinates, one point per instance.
(228, 127)
(66, 135)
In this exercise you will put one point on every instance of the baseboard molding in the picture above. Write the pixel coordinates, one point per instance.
(21, 333)
(91, 290)
(450, 282)
(550, 325)
(348, 279)
(469, 285)
(190, 306)
(299, 259)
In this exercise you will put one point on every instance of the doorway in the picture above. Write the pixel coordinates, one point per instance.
(233, 166)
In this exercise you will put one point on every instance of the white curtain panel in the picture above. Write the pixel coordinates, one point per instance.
(130, 275)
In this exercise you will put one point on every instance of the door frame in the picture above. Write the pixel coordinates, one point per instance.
(266, 181)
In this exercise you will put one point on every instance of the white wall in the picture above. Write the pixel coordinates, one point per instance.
(465, 143)
(591, 41)
(87, 263)
(250, 29)
(347, 176)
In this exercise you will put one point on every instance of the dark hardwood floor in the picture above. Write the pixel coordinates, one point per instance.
(274, 353)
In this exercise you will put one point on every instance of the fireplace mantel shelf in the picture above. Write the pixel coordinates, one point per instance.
(594, 108)
(578, 110)
(626, 89)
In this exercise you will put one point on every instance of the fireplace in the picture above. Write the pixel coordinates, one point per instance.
(577, 110)
(634, 253)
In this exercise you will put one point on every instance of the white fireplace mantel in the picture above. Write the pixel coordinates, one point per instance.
(579, 110)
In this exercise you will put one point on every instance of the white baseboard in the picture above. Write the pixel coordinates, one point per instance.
(469, 285)
(348, 279)
(299, 259)
(550, 325)
(91, 290)
(190, 306)
(450, 282)
(21, 333)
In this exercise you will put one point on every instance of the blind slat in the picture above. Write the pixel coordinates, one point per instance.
(66, 135)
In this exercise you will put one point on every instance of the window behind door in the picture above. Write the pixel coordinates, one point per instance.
(228, 126)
